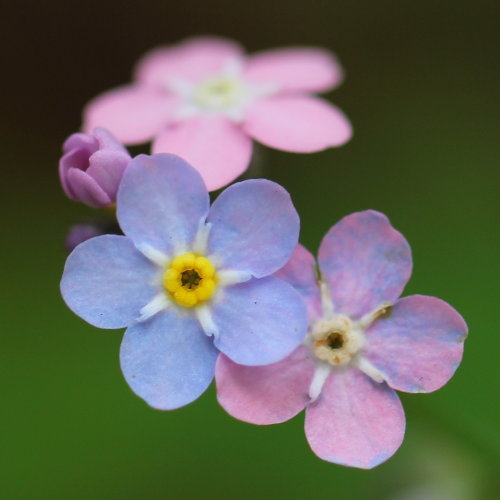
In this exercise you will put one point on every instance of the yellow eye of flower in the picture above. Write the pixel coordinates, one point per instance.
(190, 279)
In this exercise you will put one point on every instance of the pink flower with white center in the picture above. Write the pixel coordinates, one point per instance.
(205, 100)
(363, 343)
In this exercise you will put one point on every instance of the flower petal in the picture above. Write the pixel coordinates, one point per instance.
(300, 272)
(215, 146)
(191, 60)
(106, 140)
(297, 123)
(87, 142)
(106, 168)
(106, 281)
(255, 227)
(365, 261)
(419, 346)
(355, 422)
(265, 395)
(259, 321)
(86, 189)
(168, 361)
(76, 158)
(295, 69)
(133, 114)
(161, 201)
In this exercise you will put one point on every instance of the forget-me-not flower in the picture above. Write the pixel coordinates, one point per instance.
(205, 100)
(363, 342)
(188, 280)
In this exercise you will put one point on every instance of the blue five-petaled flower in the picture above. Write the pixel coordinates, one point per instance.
(189, 280)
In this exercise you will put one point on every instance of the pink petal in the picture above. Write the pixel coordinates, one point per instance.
(108, 163)
(419, 346)
(133, 114)
(265, 395)
(355, 422)
(108, 141)
(300, 272)
(365, 261)
(76, 158)
(107, 167)
(87, 143)
(298, 124)
(217, 148)
(295, 69)
(191, 60)
(85, 189)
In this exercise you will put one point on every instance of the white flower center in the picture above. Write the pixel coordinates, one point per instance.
(336, 340)
(219, 93)
(225, 93)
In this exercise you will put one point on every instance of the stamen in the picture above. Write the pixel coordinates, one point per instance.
(335, 340)
(157, 304)
(319, 378)
(190, 279)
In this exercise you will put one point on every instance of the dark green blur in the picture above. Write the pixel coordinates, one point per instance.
(422, 91)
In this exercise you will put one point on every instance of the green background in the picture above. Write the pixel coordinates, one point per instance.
(422, 93)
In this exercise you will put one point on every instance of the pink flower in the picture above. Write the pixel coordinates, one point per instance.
(92, 167)
(205, 101)
(363, 342)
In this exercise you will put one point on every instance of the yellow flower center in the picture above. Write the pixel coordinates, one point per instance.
(190, 279)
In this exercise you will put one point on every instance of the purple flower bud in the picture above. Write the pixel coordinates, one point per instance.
(92, 167)
(78, 233)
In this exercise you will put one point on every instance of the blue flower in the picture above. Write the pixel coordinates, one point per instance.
(189, 280)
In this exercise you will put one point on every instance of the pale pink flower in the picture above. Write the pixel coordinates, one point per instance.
(205, 100)
(364, 342)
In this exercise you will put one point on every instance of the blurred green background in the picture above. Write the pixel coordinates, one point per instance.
(422, 93)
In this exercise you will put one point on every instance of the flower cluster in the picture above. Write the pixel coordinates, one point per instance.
(224, 290)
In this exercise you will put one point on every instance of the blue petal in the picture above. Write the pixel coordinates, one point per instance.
(260, 321)
(168, 361)
(106, 281)
(255, 227)
(161, 201)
